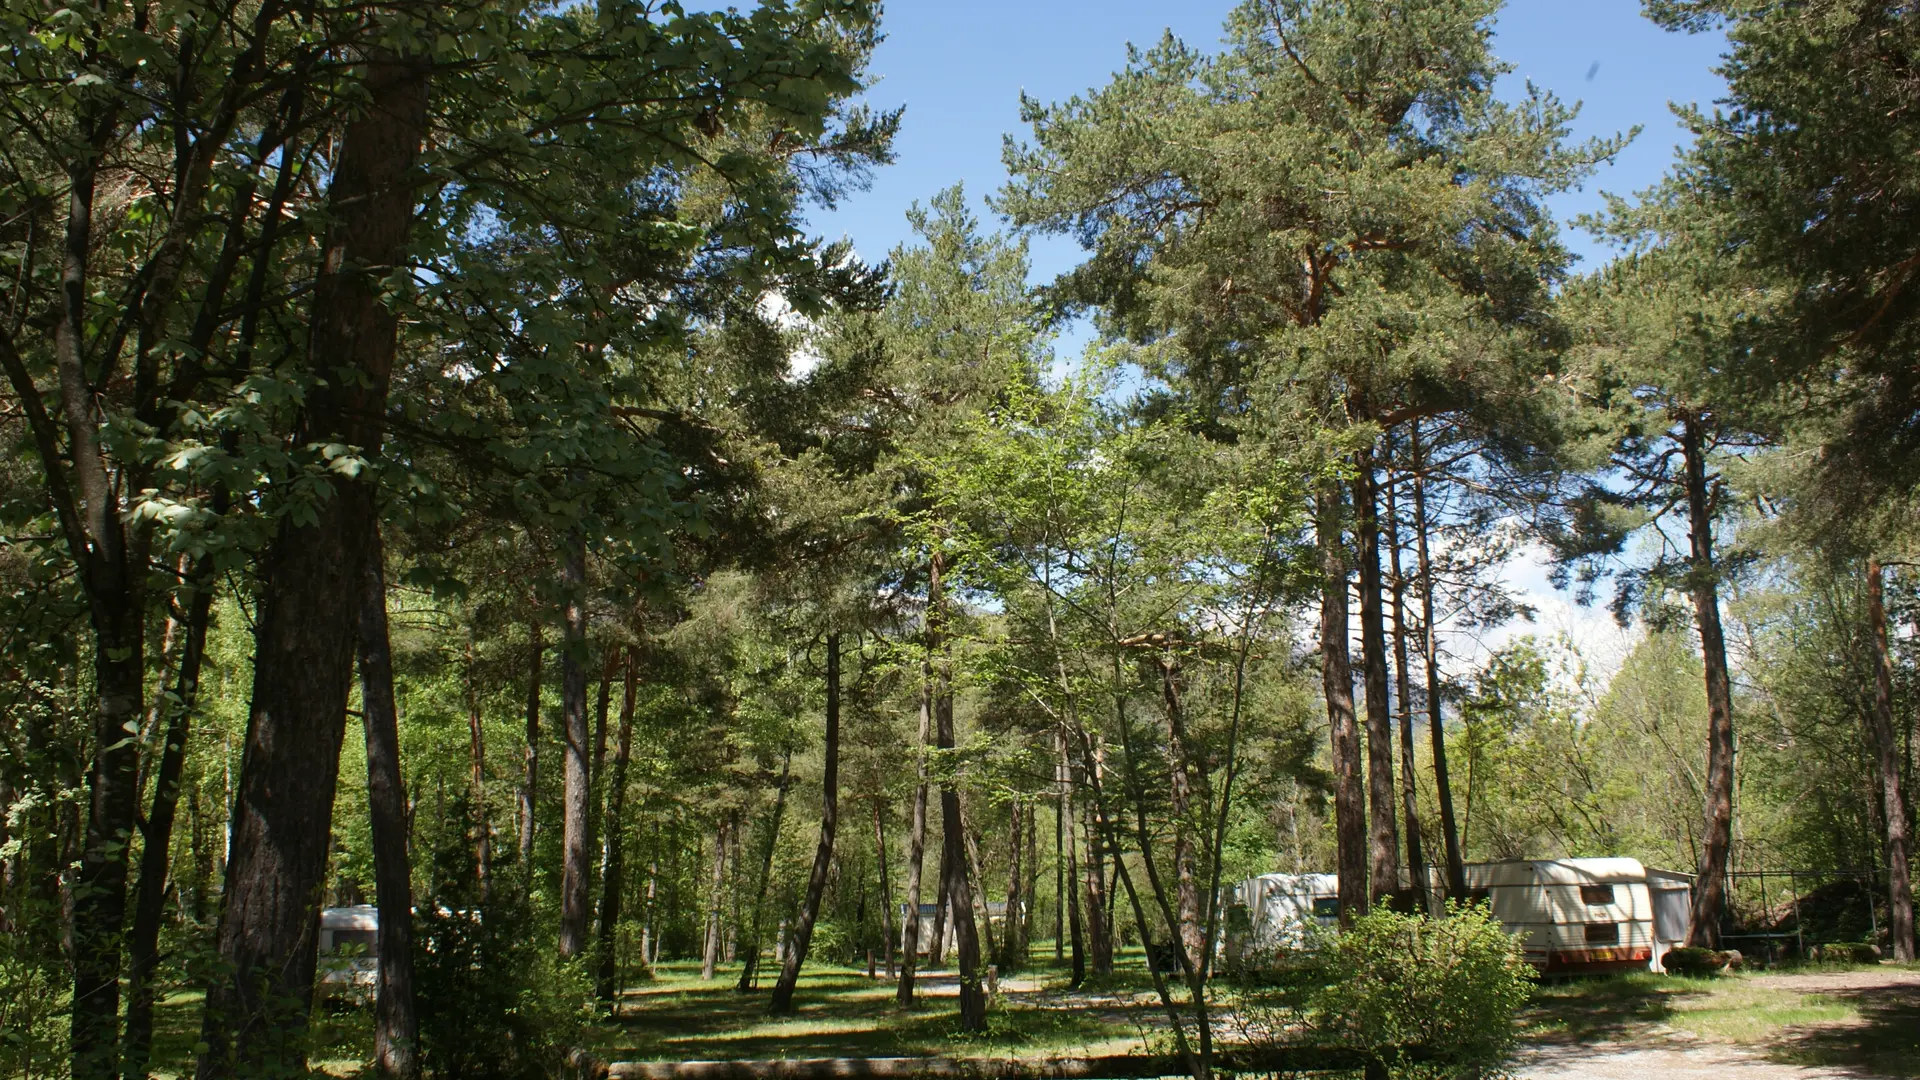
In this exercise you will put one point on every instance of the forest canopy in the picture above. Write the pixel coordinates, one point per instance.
(444, 472)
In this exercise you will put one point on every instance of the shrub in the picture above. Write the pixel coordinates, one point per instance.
(33, 1015)
(495, 1000)
(1425, 996)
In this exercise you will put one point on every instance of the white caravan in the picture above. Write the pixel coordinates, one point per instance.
(349, 951)
(1275, 911)
(1572, 915)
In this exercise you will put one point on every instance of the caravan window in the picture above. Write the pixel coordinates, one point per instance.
(1326, 907)
(1603, 933)
(1596, 894)
(361, 942)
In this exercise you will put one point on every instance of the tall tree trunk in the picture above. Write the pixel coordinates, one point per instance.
(256, 1007)
(1383, 839)
(973, 997)
(576, 868)
(782, 1001)
(648, 935)
(603, 703)
(886, 885)
(1180, 762)
(983, 917)
(149, 909)
(917, 827)
(530, 753)
(1013, 946)
(1710, 885)
(942, 907)
(750, 969)
(1076, 930)
(1430, 644)
(112, 574)
(1403, 692)
(1098, 910)
(613, 868)
(477, 778)
(1336, 683)
(396, 1028)
(1066, 863)
(718, 901)
(1030, 891)
(1899, 882)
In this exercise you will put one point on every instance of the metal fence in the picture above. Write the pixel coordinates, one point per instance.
(1775, 915)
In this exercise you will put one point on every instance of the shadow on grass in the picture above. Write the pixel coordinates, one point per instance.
(1885, 1042)
(1609, 1008)
(836, 1015)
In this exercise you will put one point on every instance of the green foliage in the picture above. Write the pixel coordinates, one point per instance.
(33, 1013)
(1448, 986)
(496, 1002)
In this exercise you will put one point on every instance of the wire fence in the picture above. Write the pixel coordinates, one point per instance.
(1775, 915)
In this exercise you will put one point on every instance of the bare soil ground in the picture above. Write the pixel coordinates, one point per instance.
(1854, 1024)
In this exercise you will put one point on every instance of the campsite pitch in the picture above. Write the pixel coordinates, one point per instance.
(1811, 1025)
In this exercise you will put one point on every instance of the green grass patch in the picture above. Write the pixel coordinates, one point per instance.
(840, 1012)
(1739, 1011)
(1872, 1029)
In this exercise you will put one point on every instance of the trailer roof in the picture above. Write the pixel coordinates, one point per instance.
(1555, 872)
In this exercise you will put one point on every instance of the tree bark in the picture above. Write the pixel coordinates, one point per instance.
(1899, 881)
(973, 997)
(1013, 947)
(1098, 923)
(603, 704)
(613, 869)
(1710, 885)
(576, 831)
(718, 901)
(1180, 757)
(530, 753)
(917, 827)
(750, 968)
(256, 1008)
(1383, 839)
(886, 886)
(983, 918)
(782, 1001)
(1031, 889)
(396, 1028)
(942, 907)
(1409, 789)
(112, 575)
(151, 893)
(477, 778)
(1430, 644)
(1068, 884)
(1336, 683)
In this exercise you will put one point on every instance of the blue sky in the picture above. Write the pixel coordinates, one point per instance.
(959, 69)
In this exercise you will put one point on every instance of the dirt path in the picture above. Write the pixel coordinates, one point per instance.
(1618, 1061)
(1881, 1041)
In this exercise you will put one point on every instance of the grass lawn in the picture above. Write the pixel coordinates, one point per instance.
(342, 1037)
(840, 1012)
(1822, 1015)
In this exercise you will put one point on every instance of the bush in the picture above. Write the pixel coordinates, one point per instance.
(495, 1000)
(1425, 996)
(33, 1015)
